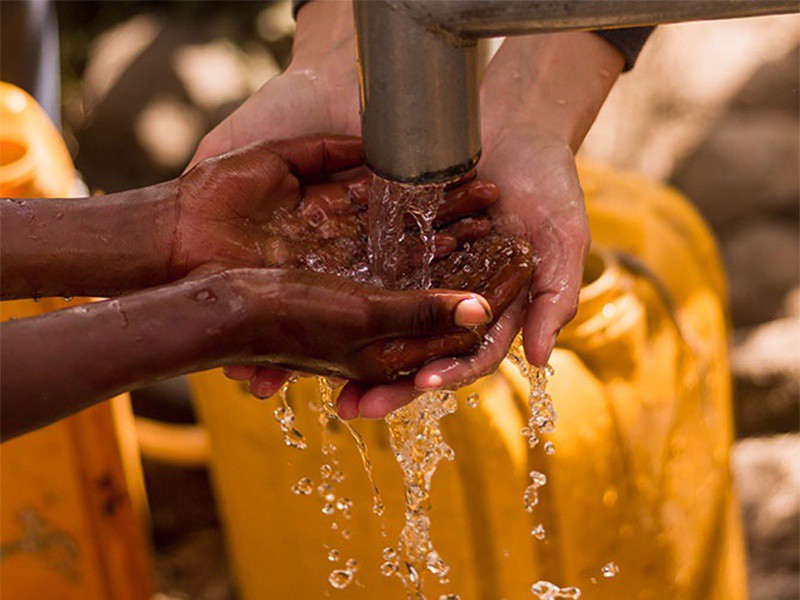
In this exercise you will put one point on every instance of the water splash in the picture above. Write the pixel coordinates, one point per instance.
(418, 445)
(543, 416)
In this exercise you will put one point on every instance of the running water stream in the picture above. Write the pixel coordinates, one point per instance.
(390, 206)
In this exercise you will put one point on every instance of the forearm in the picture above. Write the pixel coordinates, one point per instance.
(62, 362)
(99, 246)
(555, 83)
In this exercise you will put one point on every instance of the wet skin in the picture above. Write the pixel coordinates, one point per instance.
(173, 236)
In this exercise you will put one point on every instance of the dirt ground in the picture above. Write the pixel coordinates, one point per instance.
(711, 108)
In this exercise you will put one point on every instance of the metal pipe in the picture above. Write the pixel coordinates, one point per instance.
(419, 89)
(475, 19)
(418, 97)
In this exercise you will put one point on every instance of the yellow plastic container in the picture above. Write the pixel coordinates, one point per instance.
(72, 500)
(640, 475)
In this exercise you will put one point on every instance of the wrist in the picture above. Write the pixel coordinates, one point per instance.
(164, 212)
(226, 312)
(551, 83)
(323, 27)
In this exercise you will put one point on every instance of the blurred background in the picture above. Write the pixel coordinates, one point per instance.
(712, 108)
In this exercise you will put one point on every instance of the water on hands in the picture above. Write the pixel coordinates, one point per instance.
(415, 435)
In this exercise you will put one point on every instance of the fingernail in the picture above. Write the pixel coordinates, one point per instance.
(548, 350)
(264, 390)
(485, 190)
(434, 382)
(473, 312)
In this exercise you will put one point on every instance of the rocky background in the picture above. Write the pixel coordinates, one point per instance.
(711, 108)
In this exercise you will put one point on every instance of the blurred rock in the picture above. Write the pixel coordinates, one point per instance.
(743, 169)
(686, 77)
(763, 264)
(157, 82)
(196, 569)
(276, 21)
(776, 86)
(791, 306)
(113, 52)
(765, 363)
(767, 475)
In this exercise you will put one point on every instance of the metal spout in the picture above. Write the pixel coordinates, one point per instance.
(417, 67)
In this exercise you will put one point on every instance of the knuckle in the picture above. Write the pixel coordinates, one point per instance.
(424, 316)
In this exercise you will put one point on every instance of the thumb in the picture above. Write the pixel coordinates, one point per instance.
(426, 313)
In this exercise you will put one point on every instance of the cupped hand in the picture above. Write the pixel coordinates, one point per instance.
(542, 202)
(225, 203)
(327, 232)
(329, 325)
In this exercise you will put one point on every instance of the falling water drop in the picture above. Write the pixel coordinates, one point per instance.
(610, 570)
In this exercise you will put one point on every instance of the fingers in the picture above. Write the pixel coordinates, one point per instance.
(266, 381)
(554, 294)
(469, 229)
(427, 312)
(452, 373)
(347, 402)
(239, 372)
(357, 400)
(319, 154)
(471, 198)
(358, 188)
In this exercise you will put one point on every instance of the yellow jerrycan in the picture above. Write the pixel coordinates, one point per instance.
(71, 494)
(638, 502)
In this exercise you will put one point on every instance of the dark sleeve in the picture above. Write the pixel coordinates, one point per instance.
(297, 5)
(629, 41)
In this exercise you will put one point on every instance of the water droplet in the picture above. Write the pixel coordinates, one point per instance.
(205, 296)
(436, 565)
(284, 415)
(549, 448)
(346, 534)
(531, 495)
(472, 400)
(327, 508)
(544, 590)
(610, 570)
(538, 532)
(351, 564)
(340, 578)
(449, 597)
(389, 554)
(333, 555)
(388, 569)
(303, 487)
